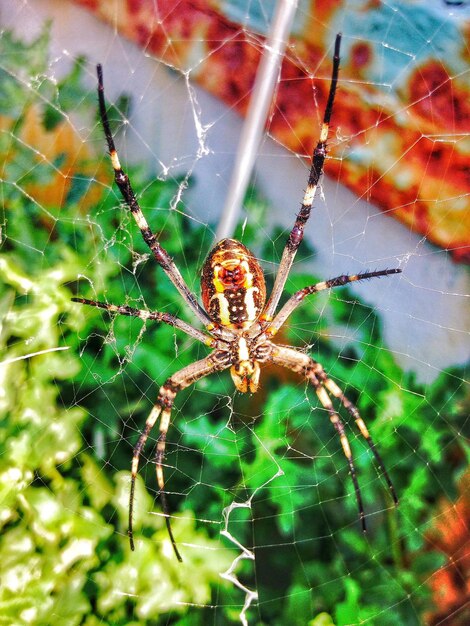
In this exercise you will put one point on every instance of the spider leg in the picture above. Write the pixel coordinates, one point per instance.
(297, 298)
(316, 170)
(171, 320)
(162, 409)
(122, 180)
(339, 427)
(314, 372)
(333, 388)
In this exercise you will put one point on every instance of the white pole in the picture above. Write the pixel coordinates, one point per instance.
(253, 128)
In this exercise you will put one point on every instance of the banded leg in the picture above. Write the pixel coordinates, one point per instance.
(122, 180)
(351, 408)
(157, 316)
(298, 297)
(314, 372)
(339, 427)
(162, 409)
(316, 170)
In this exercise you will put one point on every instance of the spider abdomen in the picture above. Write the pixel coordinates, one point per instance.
(233, 290)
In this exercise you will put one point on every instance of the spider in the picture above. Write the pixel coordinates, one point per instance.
(239, 323)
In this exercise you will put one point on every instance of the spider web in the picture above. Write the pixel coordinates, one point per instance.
(262, 505)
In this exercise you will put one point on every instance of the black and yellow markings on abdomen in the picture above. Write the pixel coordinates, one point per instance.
(230, 306)
(232, 285)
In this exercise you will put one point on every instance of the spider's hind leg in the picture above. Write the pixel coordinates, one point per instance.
(335, 419)
(166, 397)
(333, 388)
(306, 366)
(324, 387)
(162, 409)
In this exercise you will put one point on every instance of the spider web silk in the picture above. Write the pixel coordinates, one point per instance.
(262, 505)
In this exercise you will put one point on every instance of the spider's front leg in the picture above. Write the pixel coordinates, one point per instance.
(215, 362)
(316, 170)
(315, 374)
(125, 187)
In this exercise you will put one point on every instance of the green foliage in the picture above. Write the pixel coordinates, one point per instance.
(60, 511)
(64, 547)
(71, 416)
(22, 73)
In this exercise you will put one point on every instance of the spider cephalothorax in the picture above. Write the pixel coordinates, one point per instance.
(239, 324)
